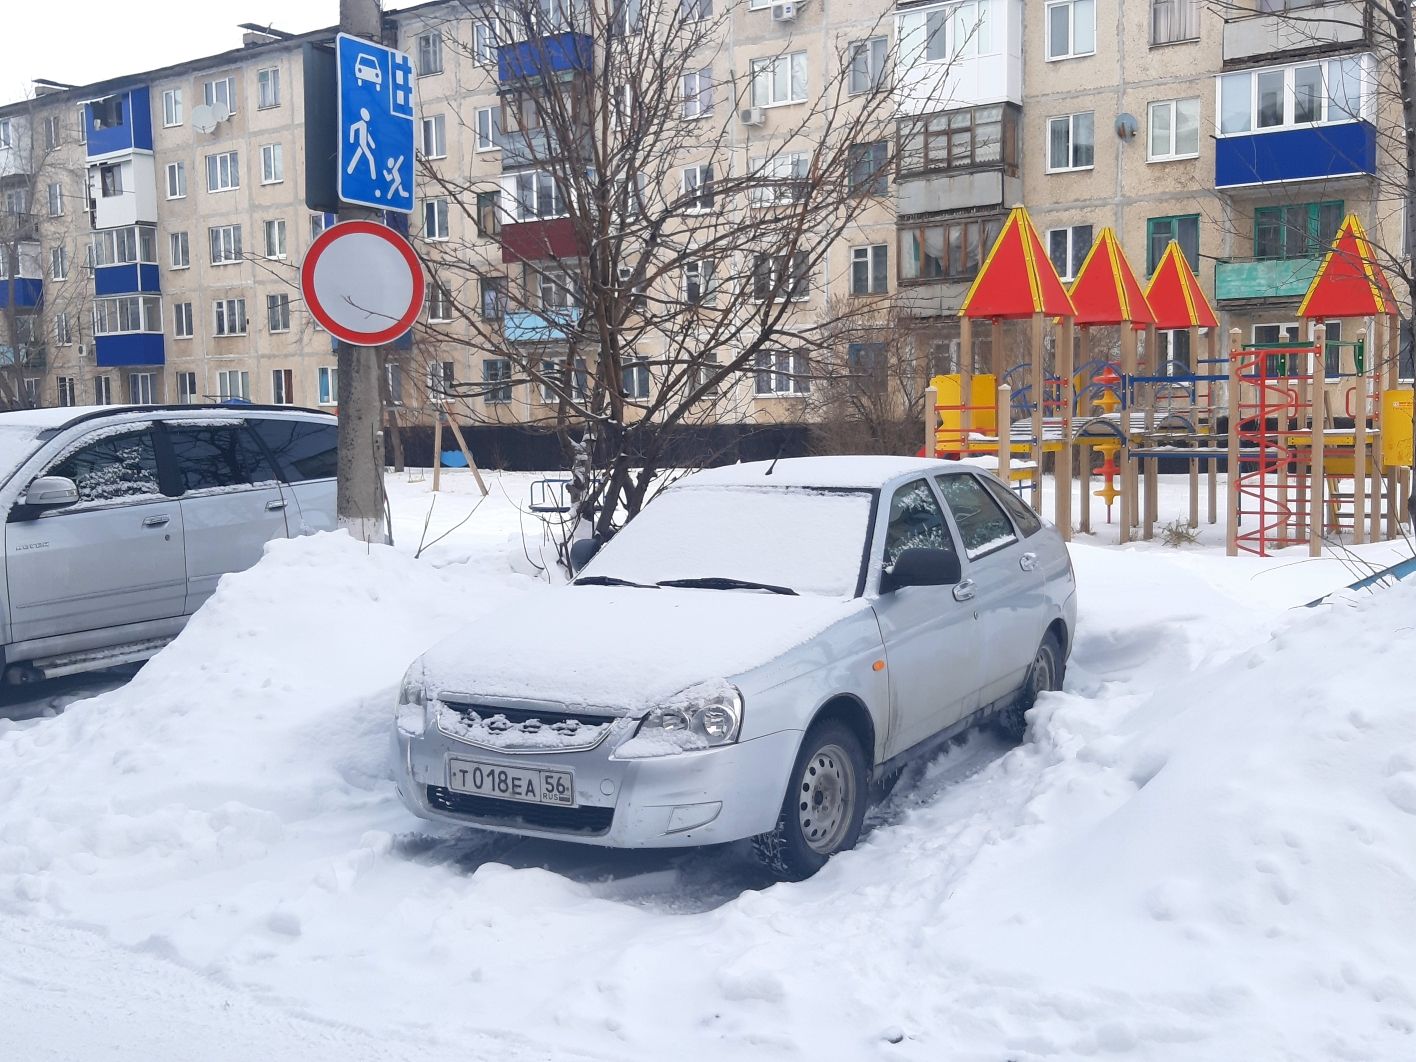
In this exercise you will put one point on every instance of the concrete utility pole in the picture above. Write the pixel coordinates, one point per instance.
(361, 498)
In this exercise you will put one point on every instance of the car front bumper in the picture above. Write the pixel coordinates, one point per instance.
(701, 797)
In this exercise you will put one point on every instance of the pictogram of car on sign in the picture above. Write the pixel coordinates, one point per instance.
(366, 69)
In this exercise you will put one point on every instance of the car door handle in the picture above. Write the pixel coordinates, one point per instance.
(157, 521)
(965, 591)
(1028, 562)
(274, 506)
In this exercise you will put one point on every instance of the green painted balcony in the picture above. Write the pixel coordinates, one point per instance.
(1263, 278)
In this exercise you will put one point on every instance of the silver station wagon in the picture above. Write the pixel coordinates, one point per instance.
(120, 520)
(753, 656)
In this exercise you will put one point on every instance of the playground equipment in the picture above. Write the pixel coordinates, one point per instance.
(1316, 436)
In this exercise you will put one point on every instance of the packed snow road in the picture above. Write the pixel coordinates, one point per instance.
(1203, 853)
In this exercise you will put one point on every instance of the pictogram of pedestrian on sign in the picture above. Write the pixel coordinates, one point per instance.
(377, 107)
(364, 145)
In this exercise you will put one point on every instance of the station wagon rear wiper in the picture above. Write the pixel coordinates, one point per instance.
(610, 580)
(719, 582)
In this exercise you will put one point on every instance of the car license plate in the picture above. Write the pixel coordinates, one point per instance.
(530, 785)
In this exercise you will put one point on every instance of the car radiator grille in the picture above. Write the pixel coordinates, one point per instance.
(577, 730)
(586, 819)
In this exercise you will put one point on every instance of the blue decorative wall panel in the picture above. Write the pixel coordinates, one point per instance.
(126, 280)
(132, 348)
(558, 53)
(28, 292)
(1295, 154)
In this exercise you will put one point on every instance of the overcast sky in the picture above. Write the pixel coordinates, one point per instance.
(83, 41)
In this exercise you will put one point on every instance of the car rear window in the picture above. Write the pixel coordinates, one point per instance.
(303, 449)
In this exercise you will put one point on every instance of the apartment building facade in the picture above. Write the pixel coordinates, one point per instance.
(164, 215)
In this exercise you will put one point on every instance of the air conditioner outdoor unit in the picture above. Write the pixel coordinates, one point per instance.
(784, 12)
(752, 116)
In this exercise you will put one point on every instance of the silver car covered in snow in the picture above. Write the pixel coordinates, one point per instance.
(752, 656)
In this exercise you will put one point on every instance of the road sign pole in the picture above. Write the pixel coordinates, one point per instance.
(361, 498)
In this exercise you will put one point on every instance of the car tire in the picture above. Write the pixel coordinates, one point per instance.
(1045, 674)
(822, 812)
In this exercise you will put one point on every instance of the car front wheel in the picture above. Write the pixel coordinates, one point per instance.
(824, 806)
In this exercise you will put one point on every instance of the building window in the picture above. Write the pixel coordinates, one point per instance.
(124, 246)
(634, 379)
(1184, 228)
(488, 213)
(1174, 130)
(58, 263)
(778, 179)
(1071, 28)
(538, 196)
(696, 89)
(278, 313)
(781, 373)
(1293, 97)
(779, 79)
(222, 91)
(102, 391)
(393, 381)
(275, 238)
(329, 386)
(430, 56)
(440, 380)
(778, 276)
(110, 180)
(491, 292)
(870, 269)
(55, 195)
(1068, 249)
(127, 313)
(435, 218)
(1303, 230)
(439, 303)
(946, 250)
(496, 376)
(63, 331)
(225, 244)
(960, 140)
(171, 107)
(1174, 344)
(187, 388)
(696, 10)
(176, 180)
(282, 387)
(51, 133)
(488, 133)
(68, 391)
(182, 320)
(6, 133)
(233, 383)
(223, 171)
(140, 388)
(230, 317)
(1070, 142)
(1173, 21)
(697, 282)
(432, 140)
(870, 168)
(272, 163)
(268, 87)
(484, 43)
(697, 184)
(867, 59)
(179, 250)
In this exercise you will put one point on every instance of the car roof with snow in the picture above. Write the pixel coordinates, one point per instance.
(63, 416)
(831, 472)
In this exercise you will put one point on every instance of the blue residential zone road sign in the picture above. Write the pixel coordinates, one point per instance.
(375, 125)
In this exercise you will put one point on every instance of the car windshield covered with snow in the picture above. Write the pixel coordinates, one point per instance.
(802, 539)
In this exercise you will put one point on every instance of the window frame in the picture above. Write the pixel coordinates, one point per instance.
(874, 71)
(267, 78)
(231, 174)
(979, 225)
(1332, 73)
(763, 72)
(432, 133)
(277, 312)
(231, 249)
(273, 163)
(176, 189)
(275, 225)
(1152, 224)
(1174, 108)
(865, 255)
(172, 108)
(183, 321)
(175, 240)
(223, 312)
(429, 41)
(1072, 143)
(1074, 258)
(491, 141)
(1181, 13)
(1072, 52)
(438, 232)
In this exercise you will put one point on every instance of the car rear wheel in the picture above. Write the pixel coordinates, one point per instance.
(1044, 674)
(824, 806)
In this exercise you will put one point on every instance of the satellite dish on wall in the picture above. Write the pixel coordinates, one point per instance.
(203, 118)
(1127, 126)
(221, 110)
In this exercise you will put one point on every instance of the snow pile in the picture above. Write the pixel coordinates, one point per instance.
(1204, 854)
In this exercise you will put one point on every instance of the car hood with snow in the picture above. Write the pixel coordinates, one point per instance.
(625, 648)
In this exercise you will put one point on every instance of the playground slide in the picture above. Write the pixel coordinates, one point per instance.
(1383, 578)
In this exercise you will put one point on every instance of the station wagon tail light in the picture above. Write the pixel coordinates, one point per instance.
(712, 713)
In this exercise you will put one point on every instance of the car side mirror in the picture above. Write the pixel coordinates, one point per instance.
(582, 550)
(921, 567)
(50, 492)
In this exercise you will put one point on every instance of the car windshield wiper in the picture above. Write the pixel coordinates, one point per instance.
(719, 582)
(610, 580)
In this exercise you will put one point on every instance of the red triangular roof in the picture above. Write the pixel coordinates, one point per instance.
(1106, 291)
(1174, 294)
(1349, 283)
(1017, 278)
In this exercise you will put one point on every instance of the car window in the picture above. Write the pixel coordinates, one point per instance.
(916, 522)
(304, 449)
(112, 468)
(218, 456)
(982, 524)
(1024, 517)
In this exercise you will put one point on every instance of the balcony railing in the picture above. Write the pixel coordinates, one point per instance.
(554, 55)
(1264, 278)
(535, 146)
(1316, 153)
(543, 326)
(540, 241)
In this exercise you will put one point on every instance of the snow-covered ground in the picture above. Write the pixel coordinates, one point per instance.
(1204, 853)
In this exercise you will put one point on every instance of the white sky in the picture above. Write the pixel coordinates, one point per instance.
(83, 41)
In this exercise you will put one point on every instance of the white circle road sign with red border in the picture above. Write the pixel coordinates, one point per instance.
(363, 283)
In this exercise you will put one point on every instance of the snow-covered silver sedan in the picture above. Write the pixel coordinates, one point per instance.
(752, 656)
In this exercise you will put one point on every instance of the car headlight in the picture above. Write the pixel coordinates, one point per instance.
(706, 715)
(411, 712)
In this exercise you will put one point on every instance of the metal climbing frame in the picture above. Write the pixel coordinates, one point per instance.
(1272, 488)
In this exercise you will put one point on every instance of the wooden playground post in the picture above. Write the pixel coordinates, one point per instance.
(1231, 516)
(931, 422)
(1084, 523)
(1194, 493)
(1359, 441)
(1374, 357)
(1005, 434)
(1062, 478)
(1039, 376)
(1317, 408)
(437, 449)
(1398, 485)
(995, 350)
